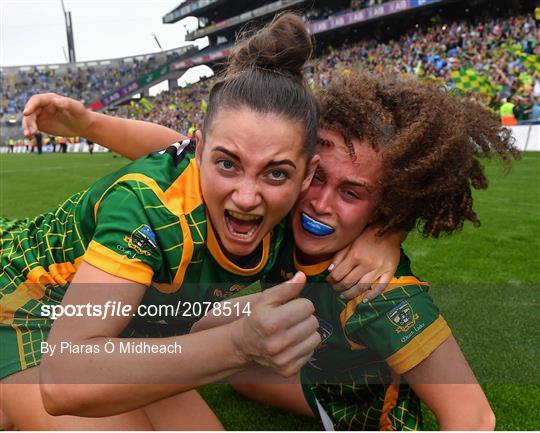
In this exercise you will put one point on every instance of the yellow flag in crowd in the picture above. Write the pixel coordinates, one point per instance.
(146, 104)
(469, 80)
(530, 61)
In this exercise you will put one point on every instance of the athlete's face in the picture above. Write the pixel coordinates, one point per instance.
(253, 167)
(341, 199)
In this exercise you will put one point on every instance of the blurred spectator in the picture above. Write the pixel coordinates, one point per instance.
(535, 111)
(83, 82)
(38, 136)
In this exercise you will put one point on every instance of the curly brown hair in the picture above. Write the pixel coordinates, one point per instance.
(431, 141)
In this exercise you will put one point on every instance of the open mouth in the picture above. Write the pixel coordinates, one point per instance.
(314, 227)
(242, 226)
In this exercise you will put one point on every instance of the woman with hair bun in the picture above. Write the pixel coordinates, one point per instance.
(164, 230)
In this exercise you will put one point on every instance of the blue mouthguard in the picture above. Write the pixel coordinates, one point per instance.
(315, 227)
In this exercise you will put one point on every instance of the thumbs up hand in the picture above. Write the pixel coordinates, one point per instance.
(281, 333)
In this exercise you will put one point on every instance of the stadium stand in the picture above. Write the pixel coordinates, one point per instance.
(493, 54)
(84, 80)
(438, 53)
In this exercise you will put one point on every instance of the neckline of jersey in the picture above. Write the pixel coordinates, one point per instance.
(311, 270)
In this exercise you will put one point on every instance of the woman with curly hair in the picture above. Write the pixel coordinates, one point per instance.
(397, 154)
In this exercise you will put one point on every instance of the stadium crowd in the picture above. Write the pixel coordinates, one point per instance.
(495, 50)
(182, 109)
(87, 83)
(489, 48)
(84, 83)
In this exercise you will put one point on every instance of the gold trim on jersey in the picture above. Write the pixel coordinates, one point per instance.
(311, 270)
(390, 402)
(182, 197)
(187, 254)
(117, 264)
(137, 177)
(185, 192)
(420, 347)
(350, 308)
(225, 263)
(20, 346)
(345, 315)
(404, 281)
(34, 287)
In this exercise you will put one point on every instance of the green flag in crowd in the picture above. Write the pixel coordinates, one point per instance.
(469, 80)
(530, 61)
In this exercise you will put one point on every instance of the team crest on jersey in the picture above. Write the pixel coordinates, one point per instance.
(142, 240)
(402, 316)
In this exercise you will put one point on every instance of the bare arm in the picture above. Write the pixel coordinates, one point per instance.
(59, 115)
(446, 384)
(104, 383)
(129, 138)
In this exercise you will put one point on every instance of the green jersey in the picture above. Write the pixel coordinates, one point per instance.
(145, 223)
(355, 373)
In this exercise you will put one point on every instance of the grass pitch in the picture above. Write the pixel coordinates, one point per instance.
(486, 281)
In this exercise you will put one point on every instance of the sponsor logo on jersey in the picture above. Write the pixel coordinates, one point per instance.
(402, 316)
(142, 240)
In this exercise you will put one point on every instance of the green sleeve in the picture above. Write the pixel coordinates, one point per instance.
(124, 243)
(403, 326)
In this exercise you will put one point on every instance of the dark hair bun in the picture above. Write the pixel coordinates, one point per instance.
(283, 46)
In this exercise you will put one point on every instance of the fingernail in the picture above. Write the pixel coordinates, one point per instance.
(331, 267)
(365, 300)
(342, 296)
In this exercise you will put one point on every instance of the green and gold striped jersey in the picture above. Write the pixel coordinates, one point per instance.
(355, 373)
(145, 223)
